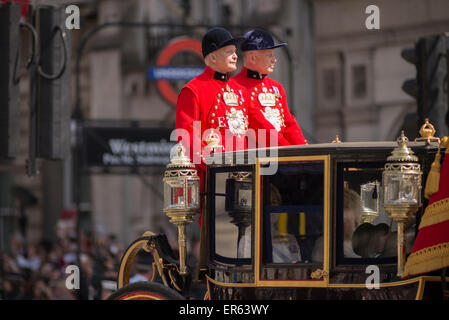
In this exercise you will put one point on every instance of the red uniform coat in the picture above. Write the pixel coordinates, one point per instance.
(214, 102)
(268, 109)
(210, 101)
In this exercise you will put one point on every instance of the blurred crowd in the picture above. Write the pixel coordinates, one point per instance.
(45, 271)
(39, 272)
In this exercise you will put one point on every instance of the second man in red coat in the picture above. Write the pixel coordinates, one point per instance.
(269, 114)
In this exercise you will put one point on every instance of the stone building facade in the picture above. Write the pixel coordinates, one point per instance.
(359, 72)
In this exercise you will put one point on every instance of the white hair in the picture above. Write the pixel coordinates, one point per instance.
(207, 59)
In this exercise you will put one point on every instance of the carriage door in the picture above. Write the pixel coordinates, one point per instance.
(292, 231)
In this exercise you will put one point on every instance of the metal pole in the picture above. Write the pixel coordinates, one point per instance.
(82, 294)
(401, 248)
(2, 270)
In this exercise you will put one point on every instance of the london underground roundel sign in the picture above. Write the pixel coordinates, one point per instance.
(162, 72)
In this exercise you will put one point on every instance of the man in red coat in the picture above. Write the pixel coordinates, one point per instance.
(266, 97)
(210, 107)
(210, 114)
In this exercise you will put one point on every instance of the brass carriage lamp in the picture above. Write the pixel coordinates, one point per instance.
(401, 182)
(181, 198)
(239, 190)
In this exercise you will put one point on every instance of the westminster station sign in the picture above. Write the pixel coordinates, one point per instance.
(126, 146)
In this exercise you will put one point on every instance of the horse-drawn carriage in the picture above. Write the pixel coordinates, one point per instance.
(319, 221)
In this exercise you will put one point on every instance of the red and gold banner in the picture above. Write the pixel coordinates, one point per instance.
(431, 248)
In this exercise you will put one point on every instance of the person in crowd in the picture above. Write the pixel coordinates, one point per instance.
(40, 274)
(143, 273)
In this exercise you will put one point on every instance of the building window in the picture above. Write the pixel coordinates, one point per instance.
(329, 83)
(359, 86)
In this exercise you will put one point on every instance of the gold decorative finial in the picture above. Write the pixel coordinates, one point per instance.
(445, 143)
(179, 159)
(402, 152)
(213, 141)
(427, 132)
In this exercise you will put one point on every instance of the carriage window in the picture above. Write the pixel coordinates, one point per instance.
(293, 213)
(232, 218)
(365, 230)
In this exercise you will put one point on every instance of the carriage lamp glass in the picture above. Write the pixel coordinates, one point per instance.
(401, 182)
(369, 199)
(239, 205)
(181, 194)
(181, 197)
(242, 190)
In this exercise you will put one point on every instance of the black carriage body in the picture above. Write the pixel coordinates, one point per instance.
(289, 239)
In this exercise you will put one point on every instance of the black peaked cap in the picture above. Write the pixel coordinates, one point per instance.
(217, 38)
(258, 39)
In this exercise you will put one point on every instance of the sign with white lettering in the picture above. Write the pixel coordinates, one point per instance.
(164, 71)
(174, 73)
(126, 146)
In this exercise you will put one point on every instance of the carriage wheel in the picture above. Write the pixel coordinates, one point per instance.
(145, 291)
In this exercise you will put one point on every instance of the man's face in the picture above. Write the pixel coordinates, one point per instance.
(263, 61)
(224, 60)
